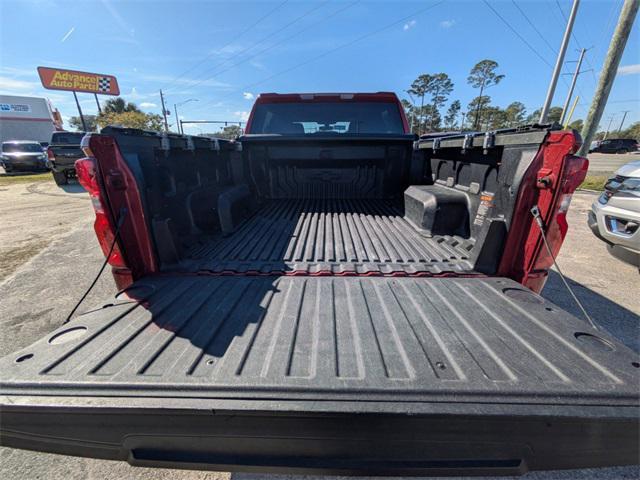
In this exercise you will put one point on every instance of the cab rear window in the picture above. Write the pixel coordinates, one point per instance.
(327, 118)
(67, 138)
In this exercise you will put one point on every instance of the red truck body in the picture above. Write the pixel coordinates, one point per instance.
(329, 293)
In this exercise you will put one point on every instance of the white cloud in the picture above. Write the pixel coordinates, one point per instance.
(409, 24)
(247, 95)
(185, 82)
(67, 35)
(447, 23)
(243, 116)
(9, 84)
(629, 69)
(148, 105)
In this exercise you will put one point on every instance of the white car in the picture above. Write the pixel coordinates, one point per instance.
(615, 215)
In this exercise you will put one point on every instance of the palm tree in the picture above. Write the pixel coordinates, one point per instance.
(118, 105)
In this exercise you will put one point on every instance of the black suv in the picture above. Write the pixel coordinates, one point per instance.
(616, 145)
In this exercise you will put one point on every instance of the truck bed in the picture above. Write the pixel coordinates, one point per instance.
(340, 374)
(331, 235)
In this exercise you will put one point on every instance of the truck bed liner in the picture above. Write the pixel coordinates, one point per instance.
(327, 374)
(287, 338)
(332, 235)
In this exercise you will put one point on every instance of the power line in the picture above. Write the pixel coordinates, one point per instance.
(555, 52)
(340, 47)
(518, 34)
(280, 42)
(527, 43)
(575, 39)
(250, 27)
(292, 22)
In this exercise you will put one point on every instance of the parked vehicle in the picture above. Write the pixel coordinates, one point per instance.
(329, 293)
(615, 215)
(62, 153)
(23, 155)
(616, 145)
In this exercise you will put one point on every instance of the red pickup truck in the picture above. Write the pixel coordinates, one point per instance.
(329, 293)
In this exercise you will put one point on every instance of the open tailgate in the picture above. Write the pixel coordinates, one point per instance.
(327, 374)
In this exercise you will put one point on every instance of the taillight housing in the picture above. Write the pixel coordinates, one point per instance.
(104, 226)
(548, 184)
(50, 154)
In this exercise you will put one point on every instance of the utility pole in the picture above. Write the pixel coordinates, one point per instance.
(175, 110)
(559, 63)
(164, 112)
(609, 70)
(568, 119)
(84, 124)
(97, 103)
(606, 133)
(623, 118)
(573, 85)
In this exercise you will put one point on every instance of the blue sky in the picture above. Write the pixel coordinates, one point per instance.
(225, 53)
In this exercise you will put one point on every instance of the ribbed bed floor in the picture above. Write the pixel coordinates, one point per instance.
(331, 235)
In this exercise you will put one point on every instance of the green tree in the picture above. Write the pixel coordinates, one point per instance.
(229, 132)
(431, 116)
(632, 131)
(577, 125)
(494, 118)
(554, 115)
(515, 114)
(90, 120)
(119, 105)
(479, 105)
(483, 75)
(438, 87)
(132, 119)
(419, 89)
(451, 118)
(410, 112)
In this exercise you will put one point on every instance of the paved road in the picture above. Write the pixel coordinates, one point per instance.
(607, 163)
(36, 295)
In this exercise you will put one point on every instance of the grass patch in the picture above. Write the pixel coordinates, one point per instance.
(12, 179)
(594, 182)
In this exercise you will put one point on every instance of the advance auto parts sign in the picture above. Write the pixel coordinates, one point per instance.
(58, 79)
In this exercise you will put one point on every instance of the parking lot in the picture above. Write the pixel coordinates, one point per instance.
(48, 256)
(607, 163)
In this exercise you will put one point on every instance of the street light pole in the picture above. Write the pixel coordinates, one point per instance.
(559, 62)
(175, 109)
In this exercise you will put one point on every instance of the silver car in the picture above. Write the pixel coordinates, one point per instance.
(615, 215)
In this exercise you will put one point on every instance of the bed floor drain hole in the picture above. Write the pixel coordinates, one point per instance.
(636, 364)
(67, 335)
(22, 358)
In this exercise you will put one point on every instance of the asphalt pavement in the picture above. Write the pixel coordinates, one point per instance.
(58, 256)
(607, 163)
